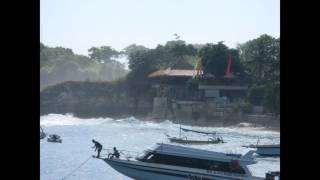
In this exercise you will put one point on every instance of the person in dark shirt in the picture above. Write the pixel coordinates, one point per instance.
(97, 146)
(115, 153)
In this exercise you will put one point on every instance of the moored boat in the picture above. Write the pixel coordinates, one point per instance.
(266, 149)
(197, 131)
(54, 138)
(213, 140)
(188, 141)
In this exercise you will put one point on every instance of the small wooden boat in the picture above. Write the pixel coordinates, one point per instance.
(188, 141)
(213, 140)
(201, 132)
(54, 138)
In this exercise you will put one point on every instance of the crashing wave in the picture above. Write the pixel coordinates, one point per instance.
(69, 120)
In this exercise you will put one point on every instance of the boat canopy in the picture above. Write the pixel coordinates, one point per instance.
(175, 150)
(202, 132)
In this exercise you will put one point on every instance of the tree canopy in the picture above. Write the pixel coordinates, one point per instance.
(261, 57)
(163, 56)
(133, 48)
(103, 53)
(60, 64)
(215, 60)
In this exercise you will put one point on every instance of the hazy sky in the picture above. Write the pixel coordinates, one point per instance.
(81, 24)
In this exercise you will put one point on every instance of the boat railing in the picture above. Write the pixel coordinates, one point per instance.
(124, 154)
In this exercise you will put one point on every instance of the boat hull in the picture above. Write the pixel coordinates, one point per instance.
(54, 140)
(147, 172)
(268, 151)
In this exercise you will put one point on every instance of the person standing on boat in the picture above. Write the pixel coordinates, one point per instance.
(98, 147)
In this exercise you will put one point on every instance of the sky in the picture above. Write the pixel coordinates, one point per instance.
(81, 24)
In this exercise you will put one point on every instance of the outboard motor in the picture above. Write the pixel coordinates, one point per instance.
(275, 175)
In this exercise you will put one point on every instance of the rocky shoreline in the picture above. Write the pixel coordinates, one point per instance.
(103, 99)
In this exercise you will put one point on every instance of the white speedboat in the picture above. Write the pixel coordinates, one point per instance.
(172, 162)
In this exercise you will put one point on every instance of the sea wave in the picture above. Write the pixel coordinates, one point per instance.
(69, 120)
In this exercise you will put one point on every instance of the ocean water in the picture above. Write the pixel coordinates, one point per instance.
(57, 160)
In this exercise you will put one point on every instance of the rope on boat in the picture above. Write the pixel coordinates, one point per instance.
(110, 150)
(127, 154)
(76, 168)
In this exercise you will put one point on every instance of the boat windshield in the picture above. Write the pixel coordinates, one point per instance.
(144, 156)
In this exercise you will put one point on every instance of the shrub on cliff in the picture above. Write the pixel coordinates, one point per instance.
(245, 106)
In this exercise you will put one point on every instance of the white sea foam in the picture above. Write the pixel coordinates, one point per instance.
(69, 119)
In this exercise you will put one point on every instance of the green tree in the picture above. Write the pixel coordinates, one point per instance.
(261, 58)
(174, 51)
(61, 64)
(132, 49)
(103, 53)
(50, 56)
(215, 60)
(179, 48)
(142, 61)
